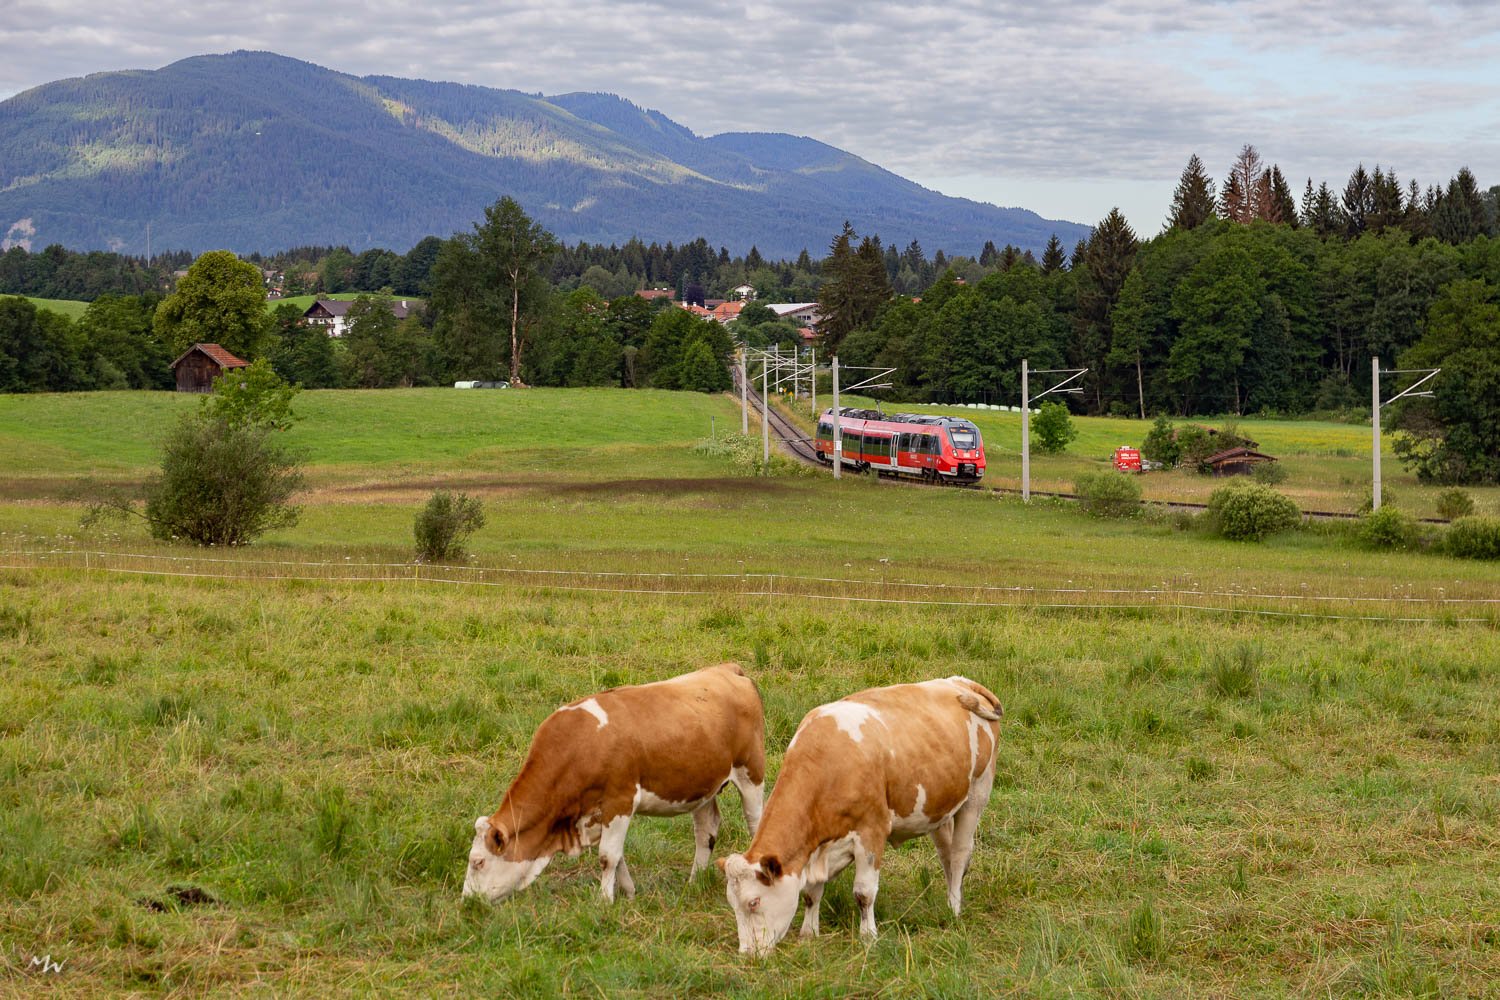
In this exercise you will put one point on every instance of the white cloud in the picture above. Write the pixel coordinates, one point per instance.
(1025, 95)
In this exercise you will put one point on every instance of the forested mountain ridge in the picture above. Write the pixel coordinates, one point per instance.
(255, 151)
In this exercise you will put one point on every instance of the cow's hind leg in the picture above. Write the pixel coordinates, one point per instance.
(866, 885)
(622, 876)
(965, 823)
(612, 857)
(705, 833)
(752, 795)
(942, 838)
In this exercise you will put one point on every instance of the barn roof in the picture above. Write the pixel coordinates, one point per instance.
(216, 354)
(1243, 454)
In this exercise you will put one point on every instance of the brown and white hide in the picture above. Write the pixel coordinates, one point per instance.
(880, 766)
(659, 749)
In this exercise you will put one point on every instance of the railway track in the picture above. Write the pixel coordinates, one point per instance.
(800, 446)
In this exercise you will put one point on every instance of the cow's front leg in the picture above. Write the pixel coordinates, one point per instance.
(612, 856)
(866, 885)
(812, 898)
(705, 832)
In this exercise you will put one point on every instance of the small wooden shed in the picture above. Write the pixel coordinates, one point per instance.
(201, 364)
(1236, 461)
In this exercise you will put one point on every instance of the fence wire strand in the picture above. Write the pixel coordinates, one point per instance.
(754, 585)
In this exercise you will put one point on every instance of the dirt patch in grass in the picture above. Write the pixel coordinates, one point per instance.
(408, 490)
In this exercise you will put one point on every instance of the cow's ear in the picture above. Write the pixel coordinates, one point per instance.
(495, 841)
(721, 863)
(770, 870)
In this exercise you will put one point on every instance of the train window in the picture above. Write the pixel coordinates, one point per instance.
(851, 443)
(963, 437)
(930, 445)
(825, 430)
(880, 446)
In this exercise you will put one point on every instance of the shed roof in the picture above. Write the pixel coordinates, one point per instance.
(216, 354)
(1238, 453)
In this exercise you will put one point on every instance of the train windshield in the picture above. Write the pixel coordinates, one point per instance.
(964, 438)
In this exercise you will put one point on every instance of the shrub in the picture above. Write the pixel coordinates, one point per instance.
(1454, 504)
(1387, 499)
(252, 396)
(1388, 528)
(1194, 445)
(1251, 511)
(220, 484)
(1474, 538)
(1269, 473)
(445, 524)
(1109, 494)
(1053, 428)
(1161, 445)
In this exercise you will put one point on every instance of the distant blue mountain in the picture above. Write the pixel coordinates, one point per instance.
(255, 151)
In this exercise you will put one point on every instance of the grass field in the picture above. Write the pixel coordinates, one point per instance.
(237, 784)
(70, 308)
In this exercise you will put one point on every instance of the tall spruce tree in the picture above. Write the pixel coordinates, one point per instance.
(1111, 252)
(1193, 201)
(1281, 207)
(1357, 203)
(1053, 258)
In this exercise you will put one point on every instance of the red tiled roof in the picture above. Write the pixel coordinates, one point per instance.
(217, 354)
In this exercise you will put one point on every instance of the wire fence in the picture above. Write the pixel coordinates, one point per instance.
(1438, 607)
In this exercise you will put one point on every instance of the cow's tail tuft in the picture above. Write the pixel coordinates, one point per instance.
(982, 703)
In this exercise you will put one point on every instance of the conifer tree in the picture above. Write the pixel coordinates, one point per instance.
(1357, 202)
(1053, 259)
(988, 254)
(1281, 207)
(1193, 201)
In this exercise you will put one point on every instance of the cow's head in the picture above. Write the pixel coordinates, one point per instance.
(764, 900)
(490, 874)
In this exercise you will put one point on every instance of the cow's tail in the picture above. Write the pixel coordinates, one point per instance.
(981, 701)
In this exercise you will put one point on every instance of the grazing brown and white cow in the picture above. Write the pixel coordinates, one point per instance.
(658, 749)
(882, 765)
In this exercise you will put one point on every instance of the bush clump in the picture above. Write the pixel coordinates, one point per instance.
(1474, 538)
(1053, 428)
(1269, 473)
(1109, 494)
(1251, 511)
(445, 524)
(1388, 528)
(1454, 504)
(1161, 445)
(221, 483)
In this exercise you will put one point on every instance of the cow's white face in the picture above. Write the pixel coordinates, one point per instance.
(764, 900)
(489, 874)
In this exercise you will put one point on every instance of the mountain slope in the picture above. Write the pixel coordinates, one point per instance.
(255, 151)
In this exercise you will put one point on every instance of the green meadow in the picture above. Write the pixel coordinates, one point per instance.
(1225, 769)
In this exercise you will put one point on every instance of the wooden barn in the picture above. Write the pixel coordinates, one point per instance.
(201, 364)
(1236, 461)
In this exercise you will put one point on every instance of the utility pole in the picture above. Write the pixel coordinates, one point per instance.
(812, 378)
(1072, 373)
(744, 397)
(765, 418)
(838, 423)
(1375, 404)
(1025, 432)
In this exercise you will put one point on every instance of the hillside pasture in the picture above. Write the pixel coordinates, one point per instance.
(1225, 769)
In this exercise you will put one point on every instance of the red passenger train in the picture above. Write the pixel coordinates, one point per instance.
(936, 448)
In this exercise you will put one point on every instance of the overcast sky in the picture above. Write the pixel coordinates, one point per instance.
(1067, 108)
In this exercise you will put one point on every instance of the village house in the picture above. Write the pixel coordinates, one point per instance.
(332, 314)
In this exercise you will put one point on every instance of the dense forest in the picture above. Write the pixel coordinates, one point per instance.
(1248, 301)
